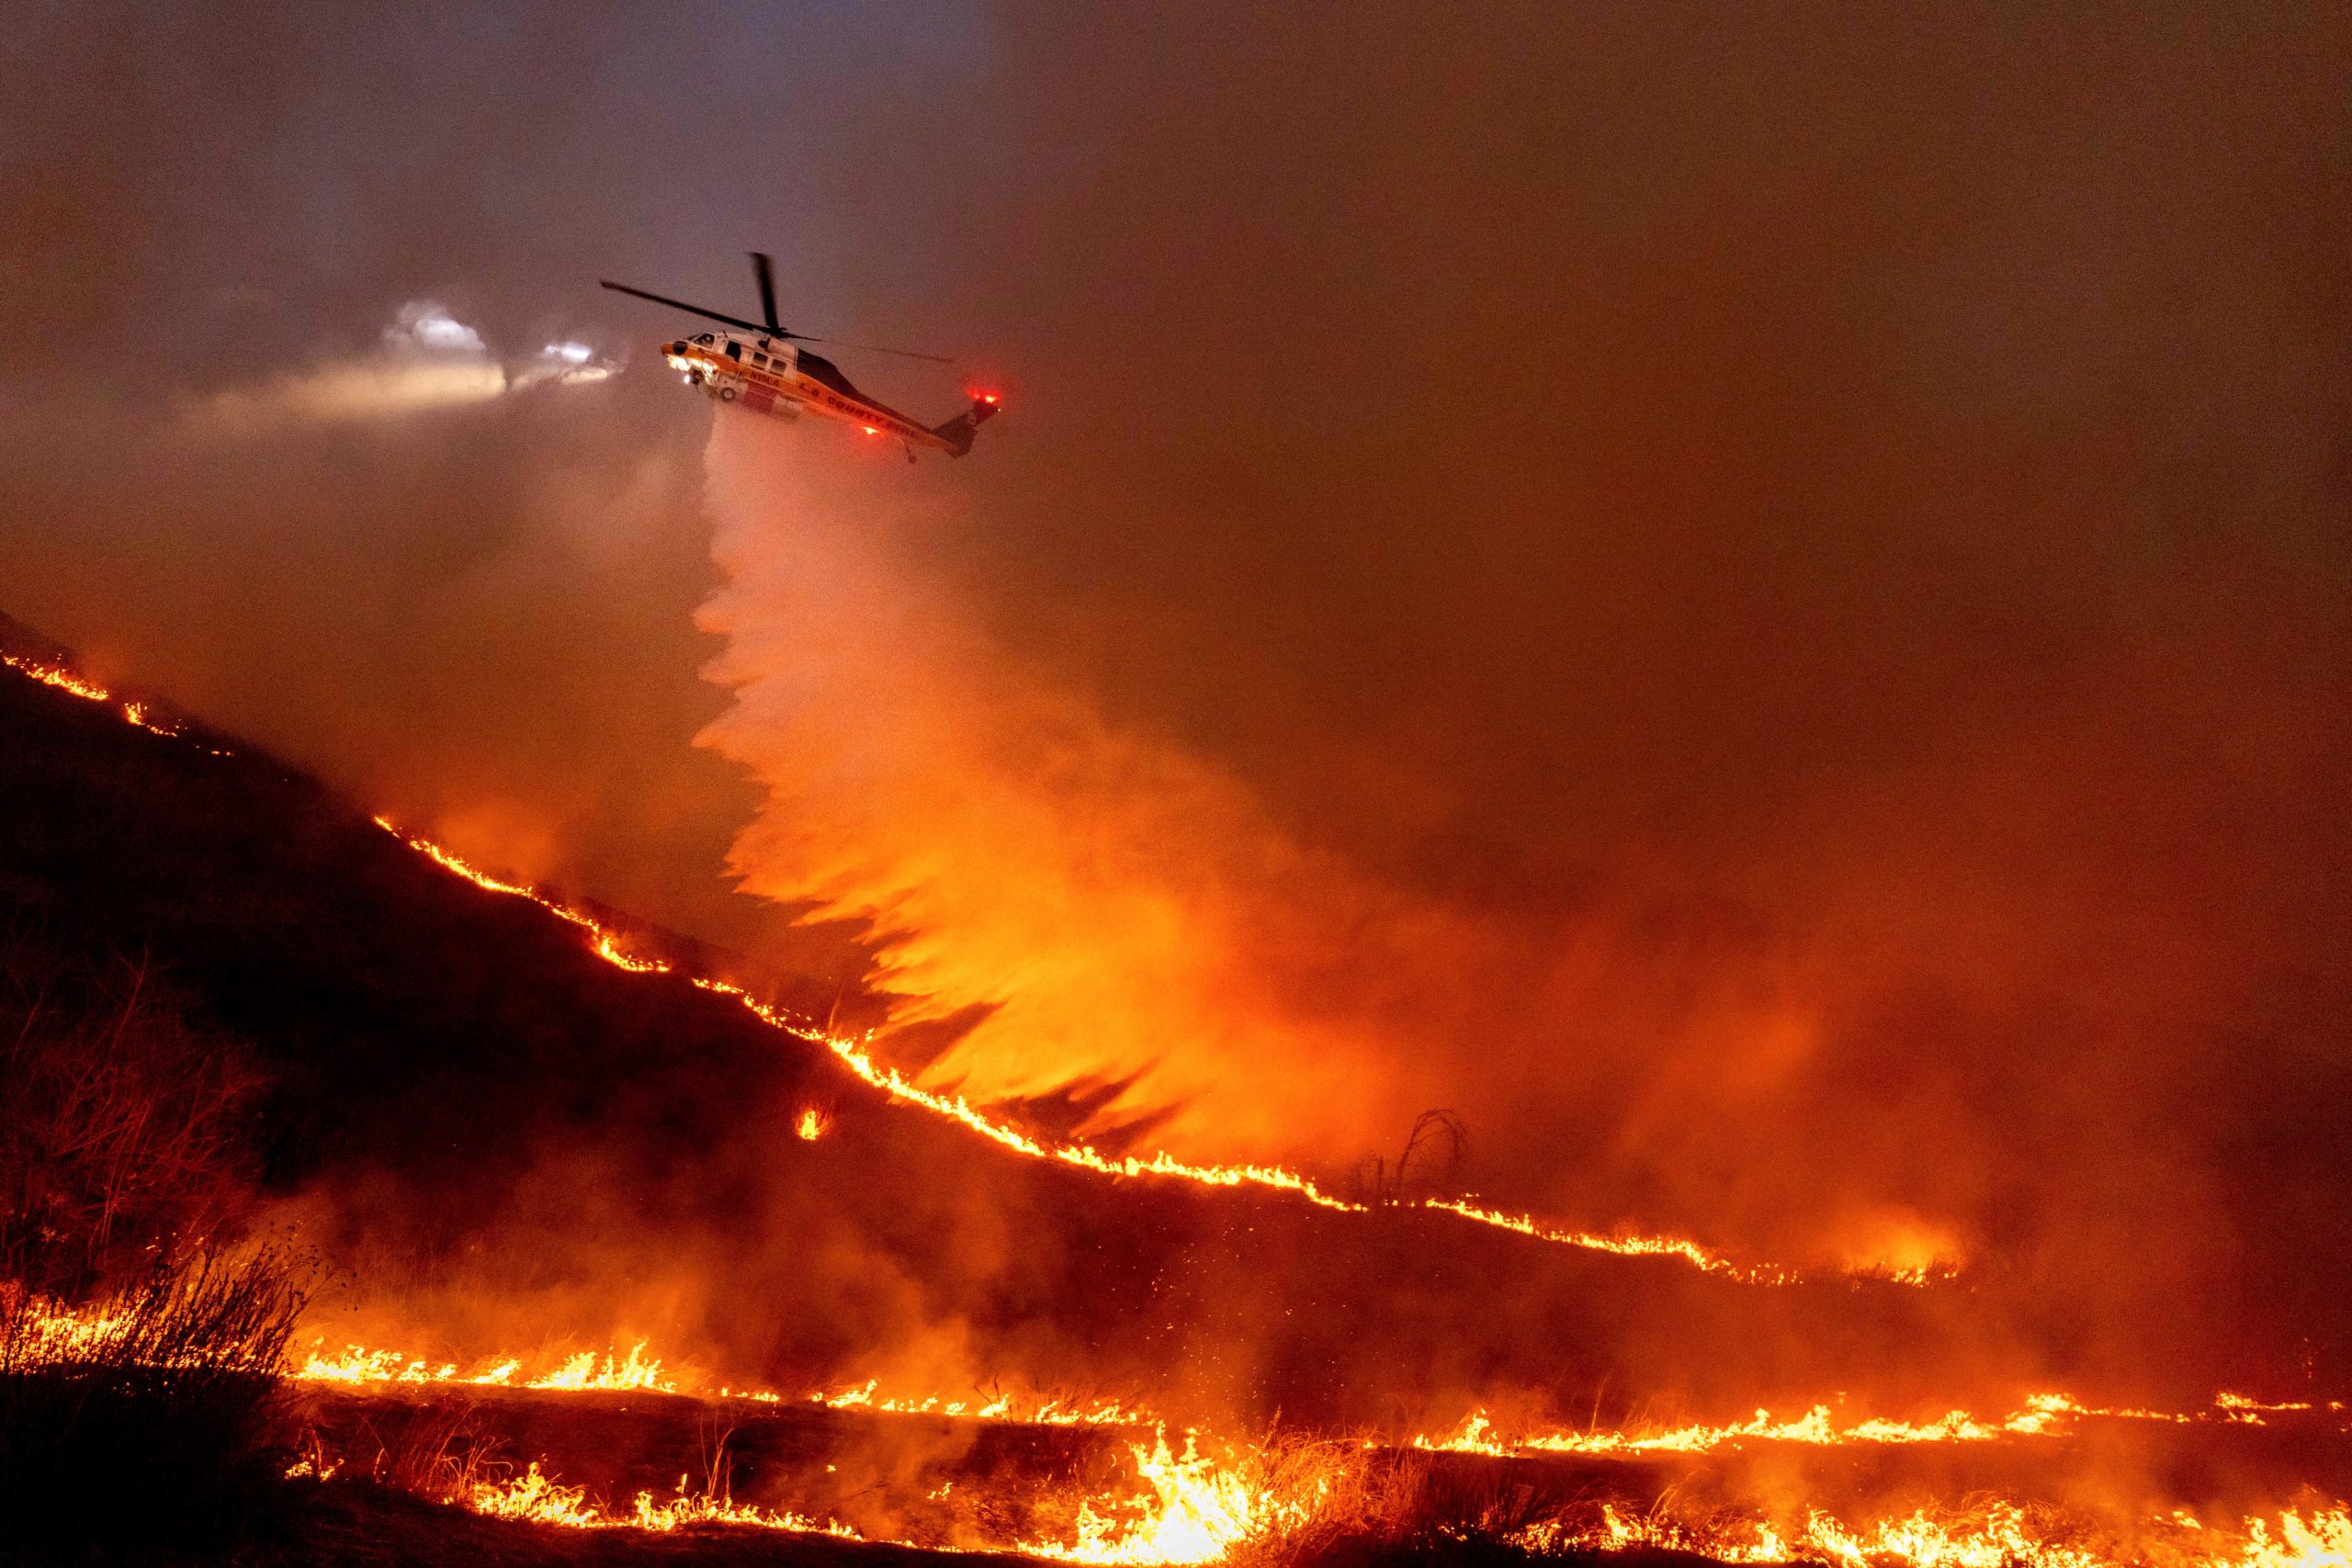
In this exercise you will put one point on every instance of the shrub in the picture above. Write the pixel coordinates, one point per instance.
(121, 1140)
(149, 1417)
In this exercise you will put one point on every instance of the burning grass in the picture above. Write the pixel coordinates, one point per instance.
(852, 1054)
(166, 1389)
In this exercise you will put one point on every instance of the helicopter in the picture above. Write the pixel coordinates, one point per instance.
(767, 372)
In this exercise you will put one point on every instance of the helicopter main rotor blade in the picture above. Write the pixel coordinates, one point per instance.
(877, 348)
(697, 310)
(767, 299)
(763, 270)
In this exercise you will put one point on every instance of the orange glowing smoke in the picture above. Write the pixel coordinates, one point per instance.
(852, 1053)
(608, 945)
(1109, 901)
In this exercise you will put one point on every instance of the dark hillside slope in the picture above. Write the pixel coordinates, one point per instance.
(411, 1022)
(485, 1126)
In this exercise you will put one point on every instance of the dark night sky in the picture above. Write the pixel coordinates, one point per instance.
(1759, 601)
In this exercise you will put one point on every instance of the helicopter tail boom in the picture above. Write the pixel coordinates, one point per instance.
(957, 433)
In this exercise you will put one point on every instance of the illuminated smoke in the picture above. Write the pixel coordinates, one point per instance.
(565, 362)
(1094, 904)
(425, 359)
(1108, 901)
(428, 326)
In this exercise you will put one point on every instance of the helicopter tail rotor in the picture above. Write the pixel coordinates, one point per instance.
(958, 431)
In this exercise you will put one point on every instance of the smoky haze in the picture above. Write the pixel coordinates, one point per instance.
(1757, 603)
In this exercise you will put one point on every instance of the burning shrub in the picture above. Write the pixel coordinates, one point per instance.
(167, 1390)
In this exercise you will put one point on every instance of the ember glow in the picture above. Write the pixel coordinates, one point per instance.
(619, 1371)
(2042, 1415)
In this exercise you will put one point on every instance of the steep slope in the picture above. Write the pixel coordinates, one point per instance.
(498, 1138)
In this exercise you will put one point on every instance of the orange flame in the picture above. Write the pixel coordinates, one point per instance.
(608, 945)
(2000, 1535)
(541, 1499)
(1189, 1510)
(584, 1372)
(852, 1055)
(2044, 1415)
(90, 692)
(996, 1407)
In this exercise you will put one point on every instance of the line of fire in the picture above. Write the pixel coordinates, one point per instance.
(1614, 835)
(1026, 1462)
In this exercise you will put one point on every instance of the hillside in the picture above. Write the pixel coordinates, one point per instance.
(494, 1138)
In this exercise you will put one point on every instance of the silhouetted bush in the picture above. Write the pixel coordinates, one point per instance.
(122, 1141)
(149, 1418)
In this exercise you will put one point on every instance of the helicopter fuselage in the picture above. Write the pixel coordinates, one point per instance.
(766, 375)
(759, 367)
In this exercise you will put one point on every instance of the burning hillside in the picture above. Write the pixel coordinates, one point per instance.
(586, 1051)
(631, 1263)
(1615, 833)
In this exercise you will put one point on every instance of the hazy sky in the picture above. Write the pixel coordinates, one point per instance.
(1758, 600)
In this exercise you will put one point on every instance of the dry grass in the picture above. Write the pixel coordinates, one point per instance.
(1381, 1510)
(159, 1425)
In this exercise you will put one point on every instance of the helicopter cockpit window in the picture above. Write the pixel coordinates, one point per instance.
(702, 337)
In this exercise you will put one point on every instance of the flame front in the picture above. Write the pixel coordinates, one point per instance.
(1188, 1510)
(1190, 1507)
(135, 712)
(2000, 1535)
(608, 945)
(539, 1498)
(584, 1372)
